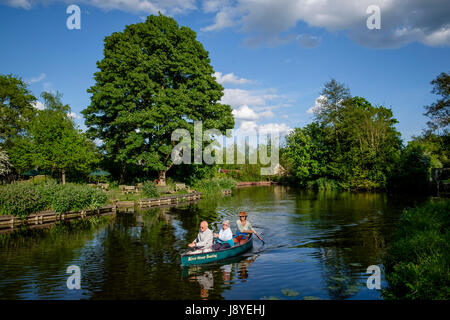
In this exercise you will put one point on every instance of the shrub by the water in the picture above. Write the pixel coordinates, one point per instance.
(149, 189)
(214, 186)
(418, 261)
(322, 184)
(22, 199)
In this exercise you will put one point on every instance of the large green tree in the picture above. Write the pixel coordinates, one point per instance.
(155, 77)
(16, 109)
(53, 142)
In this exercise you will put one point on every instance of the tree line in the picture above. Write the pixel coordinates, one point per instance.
(352, 144)
(156, 77)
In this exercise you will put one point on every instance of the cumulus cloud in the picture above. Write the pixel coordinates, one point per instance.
(240, 97)
(246, 113)
(402, 22)
(230, 78)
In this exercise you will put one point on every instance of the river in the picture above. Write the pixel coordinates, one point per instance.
(318, 245)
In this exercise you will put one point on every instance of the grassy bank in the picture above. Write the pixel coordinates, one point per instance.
(418, 261)
(214, 186)
(23, 198)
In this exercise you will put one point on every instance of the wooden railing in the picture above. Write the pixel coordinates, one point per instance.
(154, 202)
(42, 219)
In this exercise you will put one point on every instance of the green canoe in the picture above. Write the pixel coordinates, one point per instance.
(213, 256)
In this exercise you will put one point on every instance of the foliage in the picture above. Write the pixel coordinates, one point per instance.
(155, 77)
(413, 169)
(323, 184)
(439, 111)
(356, 145)
(21, 199)
(16, 109)
(215, 186)
(57, 144)
(150, 190)
(418, 263)
(191, 173)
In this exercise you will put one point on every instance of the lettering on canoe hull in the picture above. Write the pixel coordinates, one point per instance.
(208, 256)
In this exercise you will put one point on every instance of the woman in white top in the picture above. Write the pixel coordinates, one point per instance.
(224, 238)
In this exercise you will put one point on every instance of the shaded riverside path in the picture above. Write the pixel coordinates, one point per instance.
(318, 245)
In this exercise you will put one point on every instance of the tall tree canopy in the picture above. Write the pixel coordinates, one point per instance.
(53, 142)
(155, 77)
(351, 142)
(439, 111)
(16, 109)
(330, 102)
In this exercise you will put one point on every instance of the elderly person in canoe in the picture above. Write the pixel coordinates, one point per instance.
(204, 238)
(224, 239)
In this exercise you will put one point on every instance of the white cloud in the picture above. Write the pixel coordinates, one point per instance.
(37, 79)
(224, 18)
(73, 115)
(230, 78)
(402, 22)
(38, 105)
(250, 127)
(317, 105)
(240, 97)
(246, 113)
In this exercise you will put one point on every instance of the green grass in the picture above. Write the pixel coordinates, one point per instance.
(418, 261)
(214, 186)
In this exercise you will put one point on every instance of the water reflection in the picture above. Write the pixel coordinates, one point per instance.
(317, 245)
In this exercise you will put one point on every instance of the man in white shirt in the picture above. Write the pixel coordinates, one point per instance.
(204, 238)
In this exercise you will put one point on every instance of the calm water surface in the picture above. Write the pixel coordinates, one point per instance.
(317, 245)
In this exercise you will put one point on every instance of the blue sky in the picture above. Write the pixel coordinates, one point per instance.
(272, 57)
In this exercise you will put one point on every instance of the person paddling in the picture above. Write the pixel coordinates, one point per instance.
(244, 227)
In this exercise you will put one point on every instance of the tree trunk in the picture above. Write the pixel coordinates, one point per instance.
(63, 176)
(162, 178)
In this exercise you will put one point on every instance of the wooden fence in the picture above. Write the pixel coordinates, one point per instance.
(43, 219)
(154, 202)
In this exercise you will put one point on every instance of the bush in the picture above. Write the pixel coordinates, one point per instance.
(418, 260)
(215, 186)
(21, 199)
(149, 189)
(322, 184)
(73, 197)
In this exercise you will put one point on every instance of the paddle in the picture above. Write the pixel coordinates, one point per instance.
(259, 237)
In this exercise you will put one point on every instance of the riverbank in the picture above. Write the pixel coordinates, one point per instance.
(418, 260)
